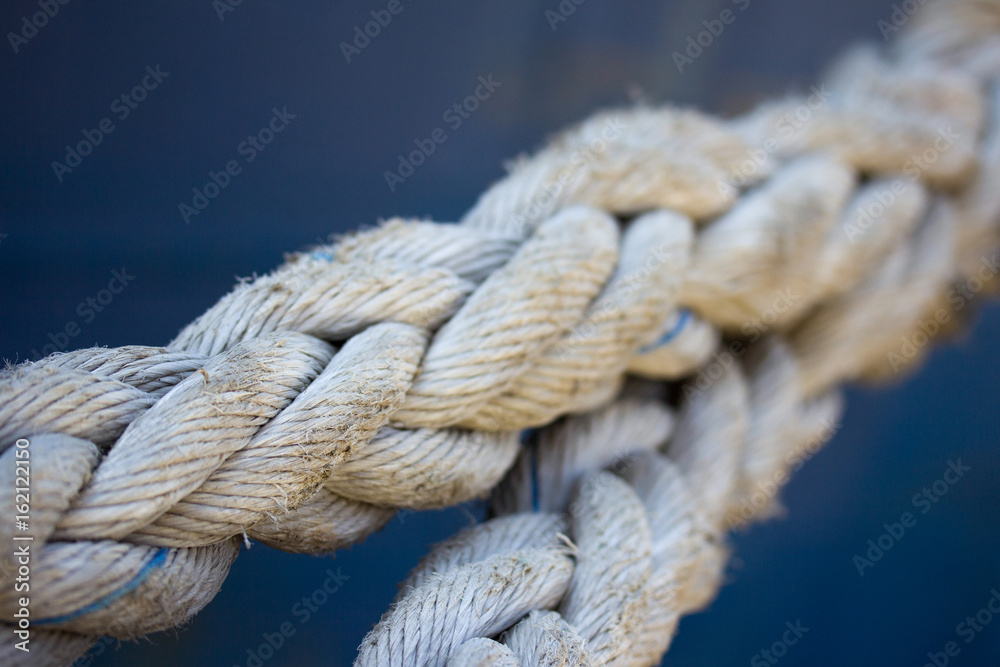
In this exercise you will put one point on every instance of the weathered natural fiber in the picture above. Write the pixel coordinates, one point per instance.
(511, 318)
(754, 263)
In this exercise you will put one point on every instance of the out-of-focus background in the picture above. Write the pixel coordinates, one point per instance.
(222, 70)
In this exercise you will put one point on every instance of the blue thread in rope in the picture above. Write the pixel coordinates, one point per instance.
(669, 335)
(156, 561)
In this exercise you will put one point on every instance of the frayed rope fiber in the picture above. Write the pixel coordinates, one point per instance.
(627, 344)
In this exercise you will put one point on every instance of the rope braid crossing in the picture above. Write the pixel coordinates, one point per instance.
(649, 496)
(396, 369)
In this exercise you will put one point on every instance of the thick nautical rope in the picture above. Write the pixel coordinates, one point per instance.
(755, 264)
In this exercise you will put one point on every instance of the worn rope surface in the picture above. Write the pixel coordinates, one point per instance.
(755, 264)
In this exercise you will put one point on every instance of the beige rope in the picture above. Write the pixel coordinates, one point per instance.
(735, 435)
(758, 262)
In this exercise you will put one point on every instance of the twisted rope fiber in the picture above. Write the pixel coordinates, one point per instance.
(397, 367)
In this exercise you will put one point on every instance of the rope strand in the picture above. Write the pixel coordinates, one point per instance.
(756, 264)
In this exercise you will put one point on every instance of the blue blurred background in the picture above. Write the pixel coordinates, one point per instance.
(227, 66)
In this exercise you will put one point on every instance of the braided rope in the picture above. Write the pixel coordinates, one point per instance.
(762, 261)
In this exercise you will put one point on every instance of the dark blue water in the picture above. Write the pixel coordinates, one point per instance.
(201, 80)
